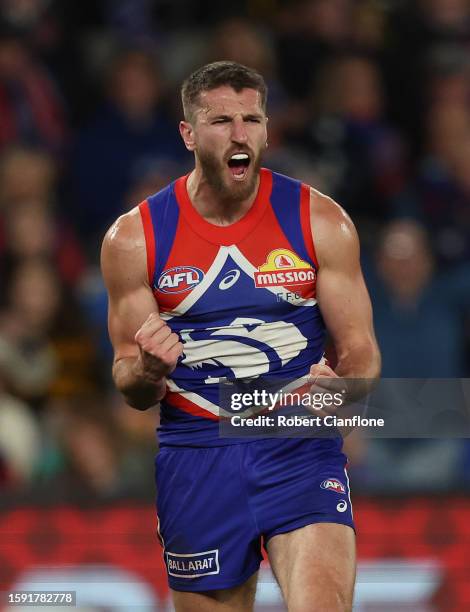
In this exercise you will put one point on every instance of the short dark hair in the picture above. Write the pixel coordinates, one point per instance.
(217, 74)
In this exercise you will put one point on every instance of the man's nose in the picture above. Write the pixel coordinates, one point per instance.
(239, 134)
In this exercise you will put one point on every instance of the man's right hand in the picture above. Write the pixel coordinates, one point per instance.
(159, 347)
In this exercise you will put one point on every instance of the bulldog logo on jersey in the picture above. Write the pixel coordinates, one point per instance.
(284, 268)
(179, 279)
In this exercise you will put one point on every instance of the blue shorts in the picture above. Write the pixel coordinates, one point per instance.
(216, 504)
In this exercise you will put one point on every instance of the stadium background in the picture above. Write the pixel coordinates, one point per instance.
(369, 102)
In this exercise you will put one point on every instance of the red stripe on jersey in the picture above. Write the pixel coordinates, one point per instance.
(181, 402)
(306, 223)
(272, 237)
(149, 239)
(188, 249)
(228, 234)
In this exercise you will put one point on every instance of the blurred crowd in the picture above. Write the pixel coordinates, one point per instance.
(369, 102)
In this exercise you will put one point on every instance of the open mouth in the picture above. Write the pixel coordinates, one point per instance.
(238, 165)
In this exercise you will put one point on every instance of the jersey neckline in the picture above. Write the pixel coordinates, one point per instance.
(225, 234)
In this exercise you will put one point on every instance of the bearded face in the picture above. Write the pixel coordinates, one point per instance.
(229, 133)
(233, 178)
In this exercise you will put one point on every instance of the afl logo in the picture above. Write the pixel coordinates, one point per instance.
(334, 485)
(179, 279)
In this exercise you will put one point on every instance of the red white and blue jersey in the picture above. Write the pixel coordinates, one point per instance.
(241, 297)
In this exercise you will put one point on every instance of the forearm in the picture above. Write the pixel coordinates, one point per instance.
(139, 391)
(361, 363)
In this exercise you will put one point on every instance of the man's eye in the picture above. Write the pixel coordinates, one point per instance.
(254, 120)
(220, 121)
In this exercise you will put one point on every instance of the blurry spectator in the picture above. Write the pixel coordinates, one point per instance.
(416, 31)
(418, 313)
(31, 231)
(149, 178)
(94, 461)
(138, 426)
(20, 441)
(90, 446)
(368, 29)
(362, 157)
(32, 224)
(54, 31)
(139, 431)
(26, 173)
(439, 196)
(310, 31)
(238, 40)
(44, 347)
(448, 76)
(132, 127)
(419, 323)
(31, 107)
(28, 360)
(446, 15)
(131, 18)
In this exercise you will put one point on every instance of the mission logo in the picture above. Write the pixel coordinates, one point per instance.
(179, 279)
(284, 268)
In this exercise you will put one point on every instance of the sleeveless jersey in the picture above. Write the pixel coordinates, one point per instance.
(241, 297)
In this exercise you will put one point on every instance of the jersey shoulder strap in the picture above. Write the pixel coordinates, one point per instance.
(290, 201)
(160, 214)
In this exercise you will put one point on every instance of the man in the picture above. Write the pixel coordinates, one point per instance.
(217, 277)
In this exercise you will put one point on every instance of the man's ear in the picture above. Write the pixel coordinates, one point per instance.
(187, 134)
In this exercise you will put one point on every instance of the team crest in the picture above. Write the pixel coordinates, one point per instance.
(284, 268)
(179, 279)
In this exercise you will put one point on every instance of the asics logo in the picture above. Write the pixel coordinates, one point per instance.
(229, 280)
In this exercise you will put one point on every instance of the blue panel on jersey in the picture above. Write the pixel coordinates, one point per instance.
(285, 200)
(261, 332)
(165, 214)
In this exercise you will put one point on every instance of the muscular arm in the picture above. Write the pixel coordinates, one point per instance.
(145, 351)
(341, 292)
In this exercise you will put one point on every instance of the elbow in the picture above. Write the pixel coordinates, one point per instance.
(137, 398)
(140, 396)
(140, 404)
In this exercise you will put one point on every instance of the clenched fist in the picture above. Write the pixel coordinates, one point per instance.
(325, 380)
(159, 348)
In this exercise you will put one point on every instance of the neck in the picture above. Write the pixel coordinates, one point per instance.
(212, 205)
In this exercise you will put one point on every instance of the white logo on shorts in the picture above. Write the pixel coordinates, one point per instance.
(193, 565)
(342, 506)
